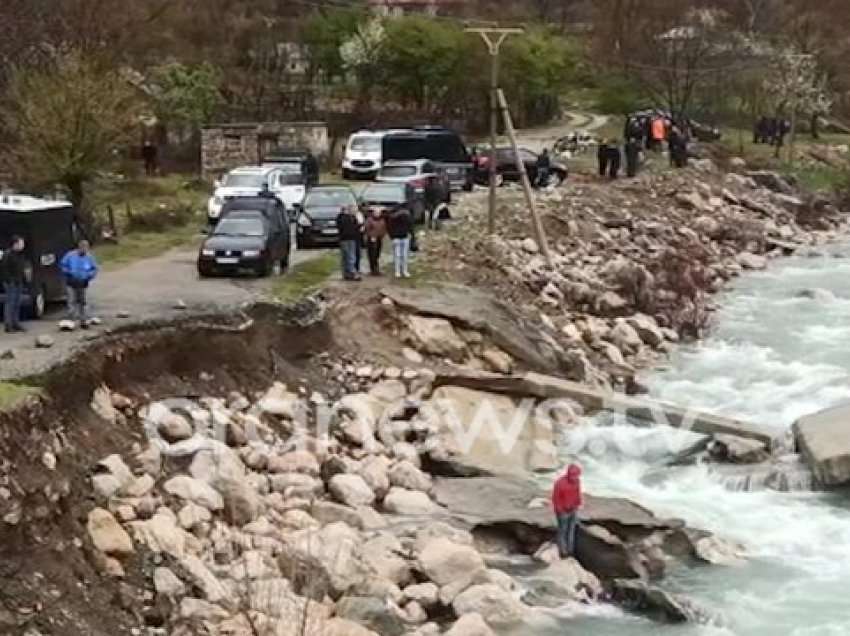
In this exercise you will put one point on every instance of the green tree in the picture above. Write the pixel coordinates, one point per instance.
(324, 34)
(422, 59)
(186, 96)
(66, 121)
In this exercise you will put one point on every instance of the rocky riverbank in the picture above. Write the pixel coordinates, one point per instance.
(290, 514)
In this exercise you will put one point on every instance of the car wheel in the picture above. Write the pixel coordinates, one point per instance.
(346, 174)
(264, 269)
(38, 304)
(467, 187)
(500, 180)
(560, 177)
(284, 262)
(301, 243)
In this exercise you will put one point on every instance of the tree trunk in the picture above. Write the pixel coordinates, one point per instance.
(815, 122)
(83, 216)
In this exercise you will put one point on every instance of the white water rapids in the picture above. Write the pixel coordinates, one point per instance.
(773, 356)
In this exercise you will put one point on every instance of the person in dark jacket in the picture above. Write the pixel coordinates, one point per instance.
(544, 166)
(399, 228)
(603, 156)
(433, 198)
(14, 266)
(632, 150)
(566, 502)
(79, 269)
(678, 148)
(615, 159)
(150, 157)
(376, 230)
(349, 238)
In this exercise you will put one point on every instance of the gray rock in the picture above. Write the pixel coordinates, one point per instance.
(443, 561)
(470, 625)
(657, 604)
(500, 607)
(408, 502)
(351, 490)
(107, 535)
(44, 341)
(375, 613)
(824, 441)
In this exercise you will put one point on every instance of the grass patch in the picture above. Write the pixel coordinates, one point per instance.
(12, 394)
(140, 245)
(146, 196)
(305, 278)
(819, 177)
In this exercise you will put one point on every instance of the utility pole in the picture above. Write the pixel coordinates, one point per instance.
(539, 230)
(493, 37)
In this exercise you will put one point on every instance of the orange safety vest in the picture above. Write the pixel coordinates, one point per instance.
(659, 129)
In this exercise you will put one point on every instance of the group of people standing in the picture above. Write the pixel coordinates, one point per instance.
(78, 267)
(355, 230)
(644, 132)
(771, 130)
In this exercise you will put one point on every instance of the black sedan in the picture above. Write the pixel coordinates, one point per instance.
(316, 220)
(508, 170)
(252, 235)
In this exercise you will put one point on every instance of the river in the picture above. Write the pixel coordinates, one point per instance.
(773, 356)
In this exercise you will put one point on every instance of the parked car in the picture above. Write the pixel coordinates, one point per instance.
(422, 174)
(389, 195)
(508, 170)
(295, 162)
(443, 147)
(363, 154)
(252, 234)
(49, 231)
(316, 221)
(286, 183)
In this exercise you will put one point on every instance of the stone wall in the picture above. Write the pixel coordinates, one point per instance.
(227, 146)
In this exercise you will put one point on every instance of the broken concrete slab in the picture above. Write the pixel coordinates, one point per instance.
(824, 441)
(548, 387)
(472, 309)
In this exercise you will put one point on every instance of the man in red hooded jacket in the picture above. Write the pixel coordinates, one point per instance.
(566, 500)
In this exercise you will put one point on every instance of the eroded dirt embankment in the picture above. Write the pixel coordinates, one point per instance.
(49, 445)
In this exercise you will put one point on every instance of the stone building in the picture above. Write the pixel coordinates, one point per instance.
(227, 146)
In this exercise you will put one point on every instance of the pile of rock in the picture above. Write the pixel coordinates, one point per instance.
(291, 515)
(644, 254)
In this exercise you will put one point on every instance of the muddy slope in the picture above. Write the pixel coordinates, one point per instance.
(48, 578)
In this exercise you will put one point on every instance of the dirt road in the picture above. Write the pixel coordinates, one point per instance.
(159, 288)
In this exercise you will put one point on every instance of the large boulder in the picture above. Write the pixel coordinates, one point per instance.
(500, 607)
(824, 441)
(437, 337)
(406, 475)
(332, 554)
(383, 556)
(351, 490)
(194, 490)
(106, 533)
(656, 603)
(377, 614)
(408, 502)
(470, 625)
(443, 561)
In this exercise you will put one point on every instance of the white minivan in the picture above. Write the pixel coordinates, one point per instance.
(363, 155)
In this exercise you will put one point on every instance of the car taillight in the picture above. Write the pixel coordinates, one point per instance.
(482, 161)
(419, 183)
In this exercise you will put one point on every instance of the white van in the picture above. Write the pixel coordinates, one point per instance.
(363, 156)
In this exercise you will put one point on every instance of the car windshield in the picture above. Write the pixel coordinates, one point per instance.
(244, 181)
(292, 167)
(296, 178)
(384, 194)
(366, 144)
(240, 226)
(329, 198)
(398, 171)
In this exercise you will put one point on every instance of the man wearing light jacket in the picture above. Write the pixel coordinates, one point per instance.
(79, 269)
(566, 500)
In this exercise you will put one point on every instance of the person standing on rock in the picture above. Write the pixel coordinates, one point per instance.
(566, 501)
(349, 241)
(79, 269)
(14, 267)
(376, 230)
(400, 227)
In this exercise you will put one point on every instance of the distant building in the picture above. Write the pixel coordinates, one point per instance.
(398, 8)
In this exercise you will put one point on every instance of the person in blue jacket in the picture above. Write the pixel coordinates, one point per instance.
(79, 268)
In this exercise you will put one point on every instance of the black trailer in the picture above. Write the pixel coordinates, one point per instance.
(49, 232)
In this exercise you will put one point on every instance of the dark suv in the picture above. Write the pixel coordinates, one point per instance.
(252, 234)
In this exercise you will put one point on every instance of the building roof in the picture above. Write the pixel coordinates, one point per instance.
(25, 203)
